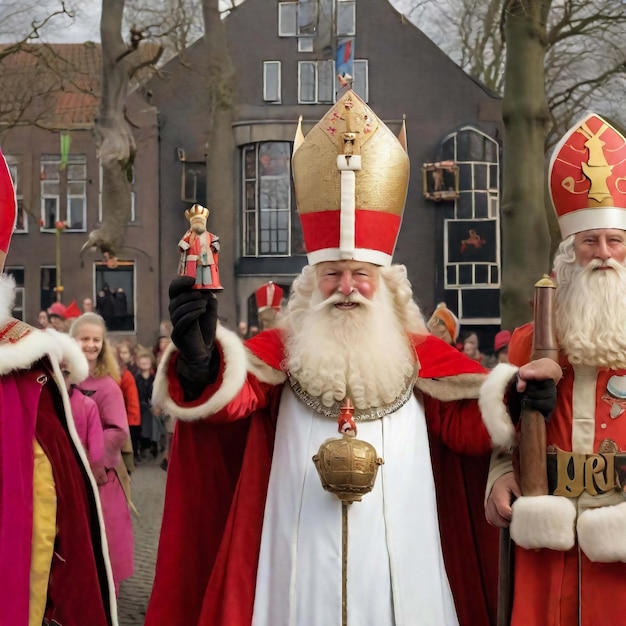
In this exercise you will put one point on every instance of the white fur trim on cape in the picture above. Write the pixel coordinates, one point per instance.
(544, 522)
(494, 411)
(7, 295)
(234, 377)
(38, 344)
(22, 354)
(264, 372)
(602, 533)
(72, 354)
(450, 388)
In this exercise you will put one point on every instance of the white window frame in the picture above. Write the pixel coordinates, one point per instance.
(268, 66)
(287, 24)
(62, 183)
(20, 293)
(493, 215)
(46, 195)
(256, 213)
(316, 69)
(100, 269)
(13, 163)
(346, 5)
(313, 7)
(305, 44)
(78, 183)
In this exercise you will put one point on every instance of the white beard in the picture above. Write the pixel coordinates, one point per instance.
(591, 313)
(363, 353)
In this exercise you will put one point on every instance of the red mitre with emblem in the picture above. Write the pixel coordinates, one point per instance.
(8, 209)
(351, 176)
(588, 177)
(268, 296)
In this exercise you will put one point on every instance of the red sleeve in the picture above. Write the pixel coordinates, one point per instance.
(131, 398)
(458, 425)
(252, 396)
(437, 359)
(268, 346)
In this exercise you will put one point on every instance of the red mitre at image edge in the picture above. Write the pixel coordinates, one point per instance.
(587, 177)
(8, 205)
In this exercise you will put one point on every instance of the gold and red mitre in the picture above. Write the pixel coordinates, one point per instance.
(588, 177)
(351, 175)
(268, 296)
(197, 212)
(8, 209)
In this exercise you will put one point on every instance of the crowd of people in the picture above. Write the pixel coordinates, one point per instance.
(331, 468)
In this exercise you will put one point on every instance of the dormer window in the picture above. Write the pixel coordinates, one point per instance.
(287, 19)
(346, 18)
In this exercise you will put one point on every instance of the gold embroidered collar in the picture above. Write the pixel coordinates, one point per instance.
(360, 415)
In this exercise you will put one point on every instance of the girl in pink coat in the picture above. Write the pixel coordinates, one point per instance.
(101, 386)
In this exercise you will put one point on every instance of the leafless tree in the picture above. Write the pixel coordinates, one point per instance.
(526, 239)
(551, 59)
(121, 62)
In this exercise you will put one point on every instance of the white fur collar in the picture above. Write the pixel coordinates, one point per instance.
(7, 296)
(235, 372)
(36, 344)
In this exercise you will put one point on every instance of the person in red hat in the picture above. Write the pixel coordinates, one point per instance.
(269, 298)
(262, 544)
(61, 316)
(54, 563)
(501, 346)
(56, 315)
(570, 555)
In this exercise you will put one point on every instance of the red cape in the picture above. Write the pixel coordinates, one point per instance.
(215, 499)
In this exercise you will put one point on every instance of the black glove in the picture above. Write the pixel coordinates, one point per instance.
(540, 395)
(193, 313)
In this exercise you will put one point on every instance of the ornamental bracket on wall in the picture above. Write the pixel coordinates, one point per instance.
(440, 181)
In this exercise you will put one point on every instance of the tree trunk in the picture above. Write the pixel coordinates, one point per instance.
(526, 240)
(220, 150)
(114, 139)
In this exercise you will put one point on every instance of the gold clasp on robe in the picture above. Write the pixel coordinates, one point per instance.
(593, 473)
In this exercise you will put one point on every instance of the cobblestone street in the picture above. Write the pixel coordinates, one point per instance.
(148, 490)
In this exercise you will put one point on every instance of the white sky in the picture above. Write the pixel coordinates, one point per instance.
(16, 15)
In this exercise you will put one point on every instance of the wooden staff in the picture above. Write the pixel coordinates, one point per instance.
(532, 447)
(533, 472)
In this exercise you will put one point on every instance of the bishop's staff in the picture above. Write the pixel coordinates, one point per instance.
(532, 447)
(533, 471)
(347, 467)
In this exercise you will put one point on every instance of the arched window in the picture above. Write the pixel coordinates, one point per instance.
(270, 223)
(472, 235)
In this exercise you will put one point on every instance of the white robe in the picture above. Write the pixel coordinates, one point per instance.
(396, 574)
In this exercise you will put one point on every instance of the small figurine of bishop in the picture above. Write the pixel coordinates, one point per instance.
(199, 251)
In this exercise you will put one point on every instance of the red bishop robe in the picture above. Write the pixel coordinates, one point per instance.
(219, 470)
(555, 588)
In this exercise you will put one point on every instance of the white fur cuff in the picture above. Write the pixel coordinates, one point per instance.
(544, 522)
(233, 380)
(494, 411)
(602, 533)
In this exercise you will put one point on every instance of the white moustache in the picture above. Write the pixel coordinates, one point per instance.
(338, 298)
(595, 264)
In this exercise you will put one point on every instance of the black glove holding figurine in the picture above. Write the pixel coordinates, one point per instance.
(193, 313)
